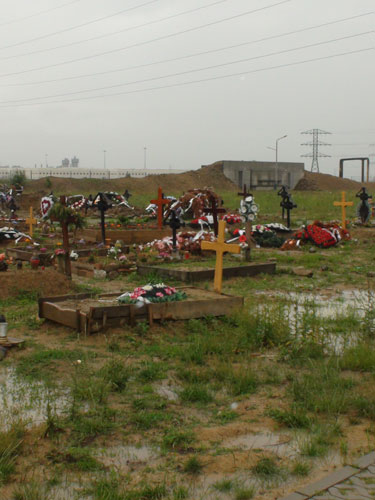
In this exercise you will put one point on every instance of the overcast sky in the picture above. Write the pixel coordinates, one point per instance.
(122, 69)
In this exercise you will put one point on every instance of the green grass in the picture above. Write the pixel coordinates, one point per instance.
(294, 418)
(193, 466)
(10, 447)
(359, 358)
(175, 439)
(196, 393)
(266, 467)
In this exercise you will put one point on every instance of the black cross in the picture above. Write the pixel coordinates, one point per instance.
(245, 194)
(284, 195)
(288, 204)
(214, 210)
(174, 224)
(102, 203)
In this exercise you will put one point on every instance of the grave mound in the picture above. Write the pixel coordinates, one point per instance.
(47, 282)
(313, 181)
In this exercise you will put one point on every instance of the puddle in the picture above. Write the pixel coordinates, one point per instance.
(319, 315)
(126, 457)
(25, 400)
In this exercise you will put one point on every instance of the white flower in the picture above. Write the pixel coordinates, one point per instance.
(79, 361)
(148, 288)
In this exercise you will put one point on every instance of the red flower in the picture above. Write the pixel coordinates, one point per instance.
(243, 238)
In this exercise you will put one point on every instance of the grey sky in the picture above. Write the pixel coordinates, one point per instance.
(183, 126)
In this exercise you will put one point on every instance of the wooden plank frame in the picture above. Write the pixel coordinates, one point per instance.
(99, 318)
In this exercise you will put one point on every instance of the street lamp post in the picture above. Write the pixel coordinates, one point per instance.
(277, 164)
(46, 160)
(105, 164)
(145, 157)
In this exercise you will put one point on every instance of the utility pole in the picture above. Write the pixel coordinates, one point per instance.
(315, 143)
(46, 160)
(145, 158)
(105, 164)
(277, 160)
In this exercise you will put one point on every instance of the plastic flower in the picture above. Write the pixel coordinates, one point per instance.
(159, 294)
(243, 238)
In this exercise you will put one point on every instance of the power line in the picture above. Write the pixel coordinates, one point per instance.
(163, 37)
(196, 54)
(25, 18)
(105, 35)
(202, 80)
(215, 66)
(77, 26)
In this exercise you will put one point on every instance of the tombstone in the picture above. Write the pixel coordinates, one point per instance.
(363, 208)
(214, 211)
(343, 204)
(220, 247)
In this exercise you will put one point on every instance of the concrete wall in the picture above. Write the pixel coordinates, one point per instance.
(81, 173)
(261, 174)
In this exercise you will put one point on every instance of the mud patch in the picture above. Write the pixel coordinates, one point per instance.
(47, 282)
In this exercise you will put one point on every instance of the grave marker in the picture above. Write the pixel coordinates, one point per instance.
(174, 224)
(31, 221)
(159, 203)
(103, 204)
(220, 247)
(65, 235)
(343, 204)
(214, 211)
(245, 194)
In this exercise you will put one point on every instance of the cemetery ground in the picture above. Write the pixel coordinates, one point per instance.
(253, 405)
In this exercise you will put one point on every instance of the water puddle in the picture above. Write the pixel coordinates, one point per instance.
(27, 401)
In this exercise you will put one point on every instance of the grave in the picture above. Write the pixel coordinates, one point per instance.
(195, 274)
(89, 313)
(128, 236)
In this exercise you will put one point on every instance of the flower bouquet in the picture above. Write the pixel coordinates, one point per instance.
(151, 293)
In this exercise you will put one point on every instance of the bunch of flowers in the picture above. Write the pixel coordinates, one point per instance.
(232, 218)
(151, 293)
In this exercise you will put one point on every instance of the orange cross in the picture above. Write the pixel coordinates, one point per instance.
(159, 203)
(220, 247)
(343, 204)
(31, 221)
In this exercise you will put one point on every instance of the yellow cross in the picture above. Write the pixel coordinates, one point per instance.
(31, 221)
(343, 204)
(220, 247)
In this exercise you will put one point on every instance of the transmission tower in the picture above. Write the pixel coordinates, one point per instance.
(315, 143)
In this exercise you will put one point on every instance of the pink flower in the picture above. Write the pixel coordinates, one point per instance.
(168, 291)
(159, 294)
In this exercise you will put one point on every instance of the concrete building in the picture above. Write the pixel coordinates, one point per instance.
(262, 174)
(82, 173)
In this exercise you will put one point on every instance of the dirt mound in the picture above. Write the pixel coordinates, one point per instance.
(45, 283)
(172, 184)
(313, 181)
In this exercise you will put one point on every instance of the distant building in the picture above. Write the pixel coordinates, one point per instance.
(84, 173)
(262, 174)
(75, 162)
(65, 163)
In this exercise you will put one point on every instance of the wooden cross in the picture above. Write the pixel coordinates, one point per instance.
(159, 203)
(214, 210)
(31, 221)
(220, 247)
(343, 204)
(245, 194)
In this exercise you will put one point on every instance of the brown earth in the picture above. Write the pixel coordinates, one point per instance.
(313, 181)
(210, 176)
(46, 283)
